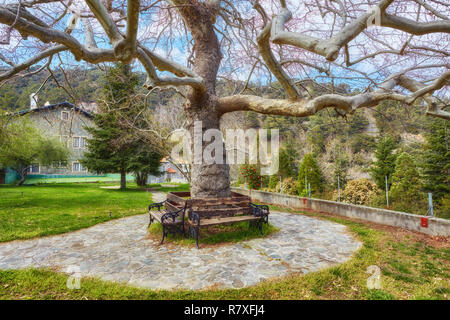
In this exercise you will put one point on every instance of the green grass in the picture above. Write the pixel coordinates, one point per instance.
(33, 181)
(216, 234)
(411, 269)
(41, 210)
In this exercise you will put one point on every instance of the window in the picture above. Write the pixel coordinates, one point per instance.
(76, 142)
(83, 142)
(64, 115)
(76, 167)
(34, 168)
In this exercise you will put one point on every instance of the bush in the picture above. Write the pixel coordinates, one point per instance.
(252, 176)
(288, 186)
(359, 191)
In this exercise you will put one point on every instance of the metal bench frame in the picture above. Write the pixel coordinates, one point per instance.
(259, 211)
(167, 219)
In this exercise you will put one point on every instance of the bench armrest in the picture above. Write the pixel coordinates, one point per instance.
(260, 210)
(170, 215)
(157, 205)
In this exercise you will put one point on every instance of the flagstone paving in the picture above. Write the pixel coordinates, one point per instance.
(119, 250)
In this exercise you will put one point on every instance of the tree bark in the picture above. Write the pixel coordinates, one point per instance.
(141, 178)
(207, 180)
(23, 176)
(123, 179)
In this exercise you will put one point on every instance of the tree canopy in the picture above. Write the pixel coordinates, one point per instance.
(367, 52)
(22, 145)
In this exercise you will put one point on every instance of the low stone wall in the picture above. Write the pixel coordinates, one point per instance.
(425, 224)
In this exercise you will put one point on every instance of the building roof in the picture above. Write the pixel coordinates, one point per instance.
(54, 106)
(170, 170)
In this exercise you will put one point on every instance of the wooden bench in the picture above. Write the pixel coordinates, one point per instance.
(209, 212)
(171, 221)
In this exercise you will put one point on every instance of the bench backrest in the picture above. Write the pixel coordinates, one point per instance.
(206, 208)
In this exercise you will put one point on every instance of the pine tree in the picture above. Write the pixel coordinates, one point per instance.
(436, 159)
(385, 162)
(287, 165)
(406, 191)
(309, 173)
(114, 147)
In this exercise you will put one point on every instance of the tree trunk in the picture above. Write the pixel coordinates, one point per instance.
(123, 179)
(23, 176)
(207, 180)
(141, 178)
(213, 180)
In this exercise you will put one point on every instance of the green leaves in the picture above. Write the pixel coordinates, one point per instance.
(23, 144)
(309, 173)
(385, 162)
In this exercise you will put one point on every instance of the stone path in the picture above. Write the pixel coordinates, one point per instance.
(118, 250)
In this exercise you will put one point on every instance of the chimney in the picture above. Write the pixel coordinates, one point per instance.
(33, 101)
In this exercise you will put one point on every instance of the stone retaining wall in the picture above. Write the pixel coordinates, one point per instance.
(425, 224)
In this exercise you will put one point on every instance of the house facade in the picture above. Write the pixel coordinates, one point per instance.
(66, 123)
(170, 173)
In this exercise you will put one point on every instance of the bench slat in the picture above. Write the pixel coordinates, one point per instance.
(224, 220)
(157, 215)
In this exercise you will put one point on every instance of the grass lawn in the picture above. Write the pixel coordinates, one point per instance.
(412, 267)
(40, 210)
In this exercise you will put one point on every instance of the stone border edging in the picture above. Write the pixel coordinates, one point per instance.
(434, 226)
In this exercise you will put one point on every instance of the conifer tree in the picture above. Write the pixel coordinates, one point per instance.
(406, 191)
(384, 164)
(436, 159)
(114, 147)
(309, 173)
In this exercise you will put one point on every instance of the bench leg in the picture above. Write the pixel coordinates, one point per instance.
(164, 234)
(196, 231)
(151, 221)
(260, 225)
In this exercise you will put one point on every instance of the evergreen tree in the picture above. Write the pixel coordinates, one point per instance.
(385, 162)
(287, 165)
(309, 173)
(273, 181)
(406, 191)
(436, 159)
(114, 146)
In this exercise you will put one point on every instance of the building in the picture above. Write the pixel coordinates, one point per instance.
(65, 122)
(170, 173)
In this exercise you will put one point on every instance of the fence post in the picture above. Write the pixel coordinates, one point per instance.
(339, 190)
(387, 191)
(430, 203)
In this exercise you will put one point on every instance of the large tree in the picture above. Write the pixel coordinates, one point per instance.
(387, 49)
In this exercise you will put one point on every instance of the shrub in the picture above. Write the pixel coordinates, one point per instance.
(359, 191)
(288, 186)
(252, 176)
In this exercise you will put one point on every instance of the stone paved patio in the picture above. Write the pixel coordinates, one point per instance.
(119, 250)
